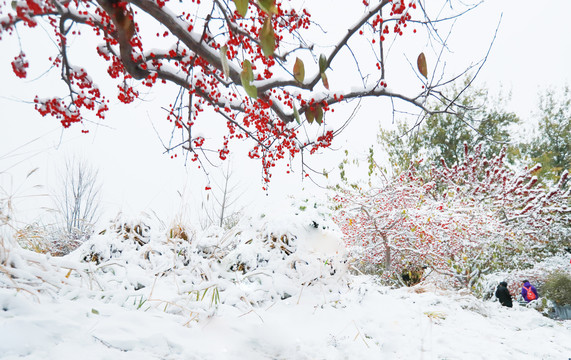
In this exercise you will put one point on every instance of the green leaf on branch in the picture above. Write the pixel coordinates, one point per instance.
(224, 61)
(318, 114)
(296, 114)
(269, 6)
(247, 76)
(422, 67)
(267, 38)
(314, 114)
(251, 90)
(322, 68)
(299, 70)
(241, 7)
(322, 63)
(309, 115)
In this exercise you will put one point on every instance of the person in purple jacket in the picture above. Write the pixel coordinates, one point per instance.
(528, 291)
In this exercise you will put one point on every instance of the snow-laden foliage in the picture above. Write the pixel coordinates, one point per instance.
(558, 287)
(514, 196)
(49, 239)
(134, 263)
(460, 221)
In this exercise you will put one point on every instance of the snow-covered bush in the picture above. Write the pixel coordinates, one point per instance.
(265, 258)
(557, 287)
(475, 217)
(33, 237)
(178, 230)
(404, 228)
(29, 272)
(48, 239)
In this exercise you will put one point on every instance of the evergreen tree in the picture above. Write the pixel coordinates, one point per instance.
(481, 120)
(551, 145)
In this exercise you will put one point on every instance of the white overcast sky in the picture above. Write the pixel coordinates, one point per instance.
(531, 53)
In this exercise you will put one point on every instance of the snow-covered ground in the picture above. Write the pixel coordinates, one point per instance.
(367, 322)
(273, 288)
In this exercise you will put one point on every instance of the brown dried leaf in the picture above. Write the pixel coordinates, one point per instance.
(421, 63)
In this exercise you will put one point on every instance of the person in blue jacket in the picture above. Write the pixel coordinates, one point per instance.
(528, 291)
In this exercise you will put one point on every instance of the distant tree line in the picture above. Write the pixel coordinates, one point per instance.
(485, 120)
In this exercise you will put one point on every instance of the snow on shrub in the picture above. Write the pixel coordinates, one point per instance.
(557, 287)
(34, 273)
(475, 217)
(30, 272)
(123, 234)
(265, 258)
(47, 239)
(403, 227)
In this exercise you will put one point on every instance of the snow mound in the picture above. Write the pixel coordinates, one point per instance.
(261, 260)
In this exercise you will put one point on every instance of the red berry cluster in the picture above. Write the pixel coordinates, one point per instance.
(400, 14)
(19, 65)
